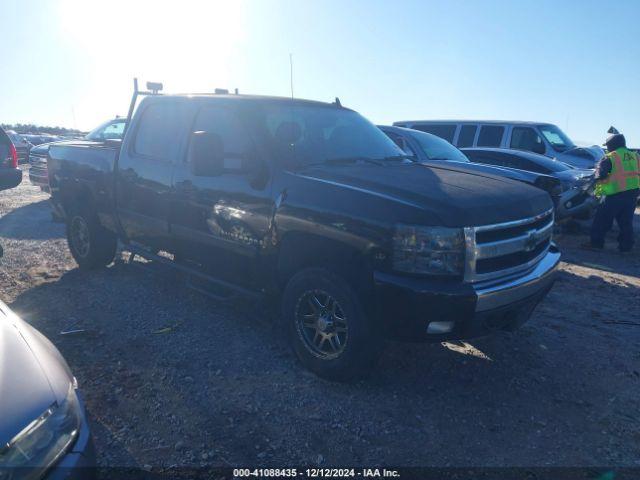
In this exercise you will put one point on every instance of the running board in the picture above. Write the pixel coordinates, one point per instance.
(192, 272)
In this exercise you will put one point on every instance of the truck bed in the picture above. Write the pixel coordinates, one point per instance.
(83, 169)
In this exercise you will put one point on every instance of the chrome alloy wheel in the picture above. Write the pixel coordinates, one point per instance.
(321, 324)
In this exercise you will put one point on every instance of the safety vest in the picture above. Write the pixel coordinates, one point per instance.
(625, 172)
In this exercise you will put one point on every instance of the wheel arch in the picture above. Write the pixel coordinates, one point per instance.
(300, 250)
(76, 194)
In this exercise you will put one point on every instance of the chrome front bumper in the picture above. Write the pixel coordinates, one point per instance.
(510, 292)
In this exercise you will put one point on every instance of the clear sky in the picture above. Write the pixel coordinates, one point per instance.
(575, 63)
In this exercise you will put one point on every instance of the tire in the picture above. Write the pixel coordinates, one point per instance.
(92, 246)
(343, 345)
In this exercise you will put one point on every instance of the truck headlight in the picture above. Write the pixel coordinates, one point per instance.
(41, 443)
(428, 250)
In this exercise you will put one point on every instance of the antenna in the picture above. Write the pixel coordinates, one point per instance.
(291, 73)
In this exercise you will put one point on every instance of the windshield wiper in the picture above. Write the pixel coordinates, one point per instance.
(356, 159)
(399, 157)
(347, 160)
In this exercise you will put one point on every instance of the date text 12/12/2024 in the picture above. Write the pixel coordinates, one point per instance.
(315, 472)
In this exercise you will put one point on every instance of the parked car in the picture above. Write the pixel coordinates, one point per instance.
(425, 147)
(111, 129)
(311, 203)
(38, 166)
(577, 199)
(43, 426)
(10, 174)
(542, 138)
(39, 139)
(21, 144)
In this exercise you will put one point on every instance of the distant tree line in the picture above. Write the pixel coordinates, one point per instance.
(31, 128)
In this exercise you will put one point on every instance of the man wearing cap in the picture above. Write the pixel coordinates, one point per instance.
(618, 177)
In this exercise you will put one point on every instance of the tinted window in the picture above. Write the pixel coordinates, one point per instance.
(157, 134)
(490, 136)
(483, 158)
(526, 138)
(467, 135)
(516, 162)
(442, 131)
(530, 166)
(235, 139)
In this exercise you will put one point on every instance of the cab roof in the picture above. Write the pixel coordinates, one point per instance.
(254, 98)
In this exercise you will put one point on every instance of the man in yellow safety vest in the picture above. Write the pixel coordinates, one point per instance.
(618, 180)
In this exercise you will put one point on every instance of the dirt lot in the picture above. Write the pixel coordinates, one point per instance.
(173, 377)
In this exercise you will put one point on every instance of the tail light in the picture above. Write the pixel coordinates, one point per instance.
(12, 159)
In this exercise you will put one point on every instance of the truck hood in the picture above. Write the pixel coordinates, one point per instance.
(493, 171)
(29, 383)
(453, 195)
(582, 157)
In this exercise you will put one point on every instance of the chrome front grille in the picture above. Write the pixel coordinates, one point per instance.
(506, 249)
(37, 160)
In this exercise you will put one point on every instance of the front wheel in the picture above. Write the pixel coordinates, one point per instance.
(328, 328)
(91, 245)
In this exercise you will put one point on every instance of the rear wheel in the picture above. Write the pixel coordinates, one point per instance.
(328, 328)
(91, 245)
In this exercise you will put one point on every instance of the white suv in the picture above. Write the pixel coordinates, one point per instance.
(543, 138)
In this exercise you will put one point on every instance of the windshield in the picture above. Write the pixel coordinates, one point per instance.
(556, 137)
(308, 134)
(113, 129)
(435, 148)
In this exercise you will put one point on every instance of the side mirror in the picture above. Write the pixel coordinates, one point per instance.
(206, 154)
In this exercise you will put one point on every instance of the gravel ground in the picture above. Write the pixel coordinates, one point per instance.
(172, 377)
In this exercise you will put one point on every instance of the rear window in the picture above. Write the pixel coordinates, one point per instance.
(441, 130)
(467, 135)
(490, 136)
(158, 131)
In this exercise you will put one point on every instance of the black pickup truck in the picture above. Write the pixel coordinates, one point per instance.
(311, 203)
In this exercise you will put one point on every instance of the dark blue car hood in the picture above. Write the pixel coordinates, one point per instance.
(451, 193)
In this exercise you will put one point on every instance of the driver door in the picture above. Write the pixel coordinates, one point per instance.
(220, 216)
